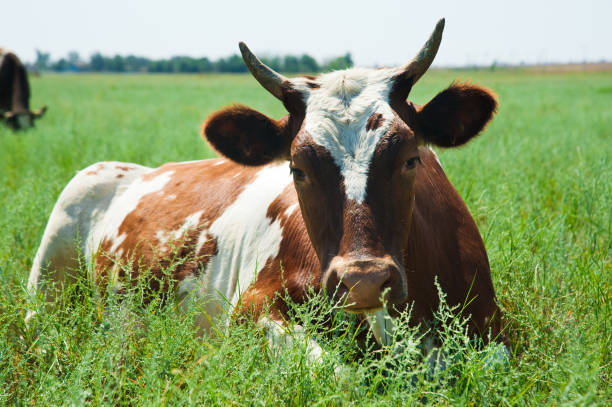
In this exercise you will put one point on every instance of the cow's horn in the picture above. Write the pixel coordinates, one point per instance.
(413, 70)
(39, 112)
(269, 79)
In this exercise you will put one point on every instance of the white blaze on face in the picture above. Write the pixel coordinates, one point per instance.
(336, 116)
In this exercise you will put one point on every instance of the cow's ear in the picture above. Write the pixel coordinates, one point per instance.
(455, 115)
(246, 136)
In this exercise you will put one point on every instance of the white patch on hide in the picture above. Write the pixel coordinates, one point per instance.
(290, 210)
(280, 336)
(191, 222)
(245, 240)
(191, 291)
(122, 207)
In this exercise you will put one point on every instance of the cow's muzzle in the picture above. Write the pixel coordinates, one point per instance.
(364, 283)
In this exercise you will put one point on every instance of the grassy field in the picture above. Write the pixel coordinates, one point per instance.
(538, 182)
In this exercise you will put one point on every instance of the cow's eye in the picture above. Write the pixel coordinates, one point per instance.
(298, 175)
(412, 162)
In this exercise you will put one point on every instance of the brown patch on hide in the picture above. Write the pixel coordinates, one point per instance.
(193, 183)
(294, 270)
(99, 167)
(375, 121)
(445, 242)
(313, 85)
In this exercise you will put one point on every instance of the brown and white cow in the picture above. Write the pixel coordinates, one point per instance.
(341, 195)
(15, 93)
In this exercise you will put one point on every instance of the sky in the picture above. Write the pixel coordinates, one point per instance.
(375, 32)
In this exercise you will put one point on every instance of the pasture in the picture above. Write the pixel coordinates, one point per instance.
(538, 182)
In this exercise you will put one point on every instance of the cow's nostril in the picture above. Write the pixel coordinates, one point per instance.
(342, 290)
(386, 288)
(333, 286)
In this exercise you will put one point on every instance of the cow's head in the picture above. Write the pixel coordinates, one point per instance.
(352, 139)
(23, 119)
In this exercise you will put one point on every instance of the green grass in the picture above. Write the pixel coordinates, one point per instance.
(538, 182)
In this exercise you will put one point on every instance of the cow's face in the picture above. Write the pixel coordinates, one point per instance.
(16, 121)
(353, 162)
(23, 119)
(352, 142)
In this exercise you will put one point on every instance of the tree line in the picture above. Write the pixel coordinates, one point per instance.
(183, 64)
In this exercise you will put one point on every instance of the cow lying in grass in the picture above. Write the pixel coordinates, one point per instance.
(342, 196)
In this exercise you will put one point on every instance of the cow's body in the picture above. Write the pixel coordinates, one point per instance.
(341, 196)
(217, 226)
(15, 93)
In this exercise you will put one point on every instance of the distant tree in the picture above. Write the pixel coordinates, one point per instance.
(60, 66)
(96, 62)
(204, 65)
(42, 60)
(308, 64)
(136, 64)
(233, 64)
(153, 67)
(159, 66)
(73, 57)
(183, 64)
(73, 60)
(343, 62)
(273, 62)
(291, 64)
(117, 64)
